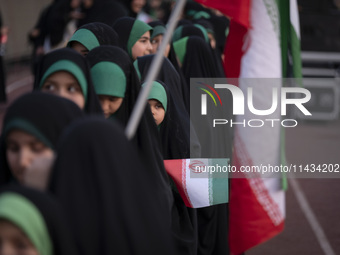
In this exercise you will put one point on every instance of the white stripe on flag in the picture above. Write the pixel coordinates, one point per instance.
(199, 187)
(263, 57)
(263, 60)
(185, 164)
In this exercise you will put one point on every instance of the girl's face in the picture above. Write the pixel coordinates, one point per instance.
(142, 47)
(110, 104)
(157, 110)
(14, 241)
(137, 5)
(77, 46)
(65, 85)
(156, 42)
(22, 150)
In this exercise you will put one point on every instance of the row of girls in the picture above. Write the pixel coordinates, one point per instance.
(71, 183)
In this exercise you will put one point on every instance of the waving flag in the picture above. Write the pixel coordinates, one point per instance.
(259, 42)
(200, 182)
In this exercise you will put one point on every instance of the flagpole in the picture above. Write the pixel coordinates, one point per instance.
(152, 73)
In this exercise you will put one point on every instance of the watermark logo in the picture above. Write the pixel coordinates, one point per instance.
(196, 164)
(239, 100)
(260, 102)
(204, 97)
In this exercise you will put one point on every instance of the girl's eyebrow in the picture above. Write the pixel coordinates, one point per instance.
(145, 37)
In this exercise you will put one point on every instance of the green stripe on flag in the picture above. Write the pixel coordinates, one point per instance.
(296, 54)
(290, 42)
(284, 182)
(284, 20)
(218, 182)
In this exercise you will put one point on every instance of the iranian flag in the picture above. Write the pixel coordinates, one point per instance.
(200, 182)
(262, 34)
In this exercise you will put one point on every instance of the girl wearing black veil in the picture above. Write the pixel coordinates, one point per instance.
(167, 74)
(175, 139)
(60, 22)
(178, 116)
(133, 6)
(115, 204)
(105, 11)
(158, 31)
(78, 86)
(36, 220)
(196, 60)
(200, 31)
(134, 36)
(106, 61)
(43, 117)
(92, 35)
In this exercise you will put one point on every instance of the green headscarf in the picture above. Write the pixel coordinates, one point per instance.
(22, 124)
(72, 68)
(158, 30)
(85, 37)
(108, 79)
(138, 29)
(24, 214)
(158, 92)
(180, 48)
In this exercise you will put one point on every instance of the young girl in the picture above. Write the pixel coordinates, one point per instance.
(134, 36)
(32, 223)
(174, 131)
(197, 61)
(114, 80)
(158, 101)
(92, 35)
(157, 35)
(66, 73)
(31, 128)
(115, 77)
(115, 203)
(166, 74)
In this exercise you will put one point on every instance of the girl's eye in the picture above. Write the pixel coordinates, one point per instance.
(48, 86)
(21, 244)
(154, 42)
(73, 88)
(38, 147)
(12, 147)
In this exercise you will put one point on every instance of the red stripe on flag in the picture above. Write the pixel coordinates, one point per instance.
(239, 13)
(234, 49)
(234, 9)
(176, 170)
(255, 217)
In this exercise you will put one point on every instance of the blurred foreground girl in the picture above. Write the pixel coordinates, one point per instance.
(31, 129)
(33, 223)
(115, 204)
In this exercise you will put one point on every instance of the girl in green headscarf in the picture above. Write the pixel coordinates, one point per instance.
(115, 81)
(32, 223)
(158, 102)
(134, 36)
(92, 35)
(65, 73)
